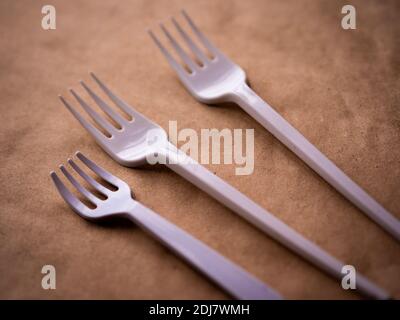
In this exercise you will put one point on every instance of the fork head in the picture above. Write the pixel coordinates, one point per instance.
(131, 141)
(114, 202)
(209, 78)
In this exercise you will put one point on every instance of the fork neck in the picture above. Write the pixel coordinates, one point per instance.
(246, 98)
(128, 207)
(258, 109)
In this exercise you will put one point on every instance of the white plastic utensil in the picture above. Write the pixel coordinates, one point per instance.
(140, 140)
(229, 276)
(218, 79)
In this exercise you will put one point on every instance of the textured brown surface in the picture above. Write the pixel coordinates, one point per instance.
(339, 88)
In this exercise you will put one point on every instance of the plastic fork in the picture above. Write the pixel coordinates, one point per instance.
(217, 79)
(229, 276)
(140, 141)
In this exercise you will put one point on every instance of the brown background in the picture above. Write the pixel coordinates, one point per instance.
(339, 88)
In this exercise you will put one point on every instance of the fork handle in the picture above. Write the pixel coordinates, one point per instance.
(262, 219)
(232, 278)
(295, 141)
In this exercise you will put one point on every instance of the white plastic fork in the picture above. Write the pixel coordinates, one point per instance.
(140, 140)
(218, 79)
(229, 276)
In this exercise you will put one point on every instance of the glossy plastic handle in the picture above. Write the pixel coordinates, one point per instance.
(295, 141)
(232, 278)
(262, 219)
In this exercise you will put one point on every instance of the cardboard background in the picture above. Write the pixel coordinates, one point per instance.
(339, 88)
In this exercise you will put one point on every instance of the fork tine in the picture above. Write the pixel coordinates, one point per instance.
(188, 61)
(69, 198)
(175, 65)
(118, 101)
(88, 178)
(98, 135)
(104, 106)
(195, 49)
(98, 170)
(95, 116)
(79, 187)
(200, 35)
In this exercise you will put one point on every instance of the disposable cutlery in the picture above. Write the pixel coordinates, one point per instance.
(217, 79)
(138, 140)
(229, 276)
